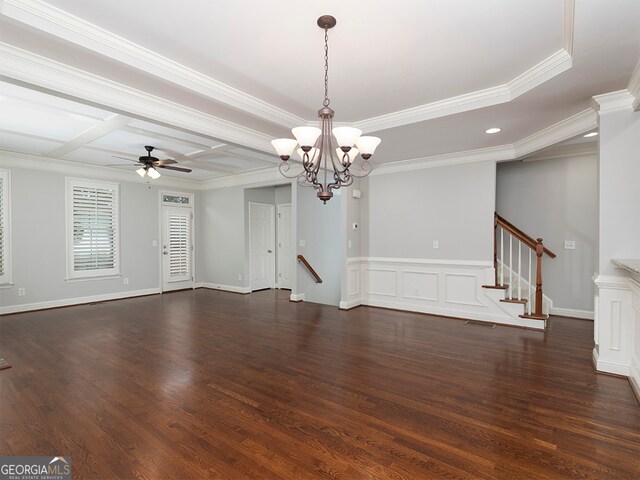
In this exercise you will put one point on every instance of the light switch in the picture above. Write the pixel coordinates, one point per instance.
(436, 244)
(154, 243)
(569, 244)
(302, 243)
(349, 244)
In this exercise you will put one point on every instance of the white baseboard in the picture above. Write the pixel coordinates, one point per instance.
(634, 376)
(66, 302)
(570, 312)
(462, 315)
(297, 297)
(225, 288)
(609, 367)
(350, 304)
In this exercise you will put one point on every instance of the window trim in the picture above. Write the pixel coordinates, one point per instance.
(72, 275)
(6, 279)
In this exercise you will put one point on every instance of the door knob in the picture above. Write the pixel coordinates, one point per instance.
(165, 253)
(270, 251)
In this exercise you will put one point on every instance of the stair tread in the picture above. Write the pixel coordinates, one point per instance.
(515, 300)
(501, 287)
(535, 317)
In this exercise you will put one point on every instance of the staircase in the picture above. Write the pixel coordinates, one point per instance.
(517, 263)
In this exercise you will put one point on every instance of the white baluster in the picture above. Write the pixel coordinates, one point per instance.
(519, 270)
(529, 299)
(501, 256)
(511, 266)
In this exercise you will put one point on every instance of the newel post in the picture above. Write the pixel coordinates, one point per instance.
(495, 247)
(539, 253)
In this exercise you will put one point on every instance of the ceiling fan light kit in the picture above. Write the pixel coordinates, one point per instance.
(150, 164)
(318, 149)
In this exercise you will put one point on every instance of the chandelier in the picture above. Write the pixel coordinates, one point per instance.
(318, 149)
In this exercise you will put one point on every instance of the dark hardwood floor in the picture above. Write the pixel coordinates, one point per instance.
(206, 384)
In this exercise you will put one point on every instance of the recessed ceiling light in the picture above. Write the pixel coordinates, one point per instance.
(592, 134)
(493, 130)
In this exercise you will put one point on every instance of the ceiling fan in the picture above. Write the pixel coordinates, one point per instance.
(149, 164)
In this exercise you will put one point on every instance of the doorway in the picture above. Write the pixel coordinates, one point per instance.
(262, 245)
(177, 241)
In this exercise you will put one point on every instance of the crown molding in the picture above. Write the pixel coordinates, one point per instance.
(535, 76)
(569, 24)
(563, 130)
(564, 151)
(502, 152)
(634, 87)
(558, 132)
(66, 167)
(613, 101)
(28, 68)
(55, 21)
(269, 175)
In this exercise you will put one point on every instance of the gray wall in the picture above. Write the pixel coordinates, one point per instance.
(557, 199)
(283, 194)
(222, 233)
(319, 225)
(619, 171)
(38, 240)
(402, 213)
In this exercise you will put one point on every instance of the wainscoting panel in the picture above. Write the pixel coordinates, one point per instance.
(420, 285)
(442, 287)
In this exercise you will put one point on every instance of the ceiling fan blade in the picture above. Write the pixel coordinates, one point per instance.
(125, 158)
(122, 165)
(177, 169)
(164, 162)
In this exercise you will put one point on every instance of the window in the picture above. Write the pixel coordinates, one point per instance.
(176, 199)
(92, 229)
(5, 251)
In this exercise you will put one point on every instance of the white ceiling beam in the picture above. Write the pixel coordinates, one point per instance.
(168, 138)
(24, 67)
(111, 124)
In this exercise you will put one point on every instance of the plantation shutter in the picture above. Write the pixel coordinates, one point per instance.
(179, 247)
(94, 229)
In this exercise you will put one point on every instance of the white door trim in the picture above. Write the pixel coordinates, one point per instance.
(191, 206)
(273, 242)
(278, 241)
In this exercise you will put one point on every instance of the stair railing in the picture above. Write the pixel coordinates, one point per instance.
(310, 268)
(536, 247)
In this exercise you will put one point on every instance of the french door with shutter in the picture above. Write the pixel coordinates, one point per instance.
(177, 246)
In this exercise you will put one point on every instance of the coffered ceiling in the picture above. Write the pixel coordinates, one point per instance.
(210, 83)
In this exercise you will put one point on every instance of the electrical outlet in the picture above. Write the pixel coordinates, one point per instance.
(125, 281)
(302, 243)
(436, 244)
(569, 244)
(355, 226)
(22, 292)
(349, 244)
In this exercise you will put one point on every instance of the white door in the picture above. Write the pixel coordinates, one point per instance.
(285, 252)
(177, 248)
(262, 245)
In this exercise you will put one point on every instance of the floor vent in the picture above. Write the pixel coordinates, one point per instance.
(480, 324)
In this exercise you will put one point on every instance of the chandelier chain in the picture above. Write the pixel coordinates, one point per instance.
(326, 101)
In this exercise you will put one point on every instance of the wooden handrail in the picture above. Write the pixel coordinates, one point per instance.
(310, 268)
(520, 235)
(536, 245)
